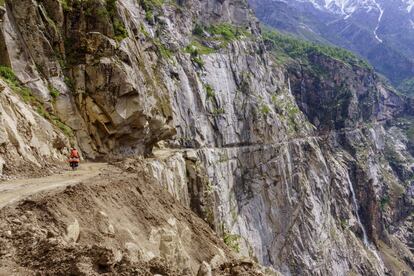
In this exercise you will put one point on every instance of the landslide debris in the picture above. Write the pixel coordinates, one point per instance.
(119, 223)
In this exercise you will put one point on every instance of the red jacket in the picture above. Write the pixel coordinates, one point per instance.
(74, 153)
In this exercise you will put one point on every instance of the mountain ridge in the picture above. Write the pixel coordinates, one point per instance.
(379, 31)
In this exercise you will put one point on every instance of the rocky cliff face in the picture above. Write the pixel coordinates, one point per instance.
(309, 172)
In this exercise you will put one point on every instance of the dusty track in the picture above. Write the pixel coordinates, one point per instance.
(15, 190)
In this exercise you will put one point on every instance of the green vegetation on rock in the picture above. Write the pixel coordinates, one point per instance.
(407, 87)
(196, 48)
(149, 6)
(54, 93)
(288, 46)
(162, 49)
(210, 92)
(219, 35)
(10, 78)
(120, 31)
(65, 5)
(232, 241)
(265, 109)
(12, 81)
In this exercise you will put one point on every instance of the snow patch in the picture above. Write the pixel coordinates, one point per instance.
(409, 5)
(381, 11)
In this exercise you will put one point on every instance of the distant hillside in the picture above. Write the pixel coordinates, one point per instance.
(380, 31)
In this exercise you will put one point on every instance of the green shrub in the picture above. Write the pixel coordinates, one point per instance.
(7, 74)
(54, 93)
(210, 91)
(384, 202)
(43, 112)
(198, 30)
(232, 241)
(225, 30)
(149, 16)
(199, 61)
(119, 30)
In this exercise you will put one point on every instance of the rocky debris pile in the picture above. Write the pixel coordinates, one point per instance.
(127, 225)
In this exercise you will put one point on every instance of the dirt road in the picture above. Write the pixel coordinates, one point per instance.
(15, 190)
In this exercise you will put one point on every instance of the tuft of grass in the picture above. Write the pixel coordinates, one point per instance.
(195, 48)
(227, 31)
(210, 91)
(7, 74)
(199, 61)
(149, 16)
(143, 30)
(265, 109)
(63, 127)
(163, 50)
(218, 111)
(54, 93)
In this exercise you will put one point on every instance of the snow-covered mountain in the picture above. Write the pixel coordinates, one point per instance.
(382, 31)
(343, 7)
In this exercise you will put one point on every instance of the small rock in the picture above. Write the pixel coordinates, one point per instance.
(217, 260)
(204, 270)
(50, 234)
(111, 230)
(191, 155)
(16, 221)
(133, 251)
(118, 256)
(73, 231)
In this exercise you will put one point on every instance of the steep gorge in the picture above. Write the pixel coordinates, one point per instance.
(270, 154)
